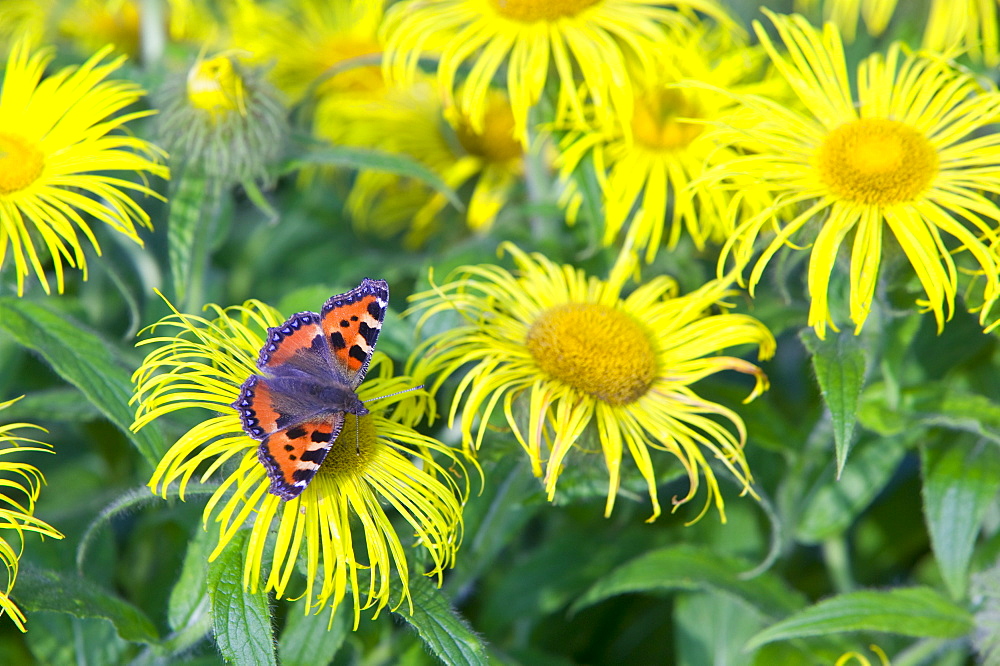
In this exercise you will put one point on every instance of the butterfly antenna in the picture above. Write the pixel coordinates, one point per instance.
(413, 388)
(357, 433)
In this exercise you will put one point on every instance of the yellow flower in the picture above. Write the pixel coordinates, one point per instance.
(380, 460)
(57, 141)
(648, 175)
(579, 358)
(845, 13)
(906, 155)
(972, 25)
(412, 121)
(16, 512)
(312, 43)
(91, 24)
(593, 38)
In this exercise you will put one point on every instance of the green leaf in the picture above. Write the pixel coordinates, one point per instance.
(832, 505)
(189, 600)
(311, 638)
(688, 568)
(85, 361)
(44, 590)
(937, 404)
(960, 481)
(444, 632)
(373, 160)
(917, 611)
(241, 619)
(839, 362)
(712, 628)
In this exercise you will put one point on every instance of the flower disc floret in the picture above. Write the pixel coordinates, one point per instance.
(877, 161)
(530, 11)
(599, 350)
(21, 163)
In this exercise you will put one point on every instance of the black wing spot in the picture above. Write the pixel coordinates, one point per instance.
(289, 447)
(337, 340)
(358, 353)
(318, 436)
(368, 333)
(376, 311)
(344, 323)
(295, 433)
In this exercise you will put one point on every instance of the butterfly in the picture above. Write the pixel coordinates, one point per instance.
(310, 367)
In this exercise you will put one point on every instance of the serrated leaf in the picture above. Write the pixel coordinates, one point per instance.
(311, 638)
(444, 632)
(85, 361)
(688, 568)
(832, 505)
(240, 618)
(373, 160)
(917, 611)
(44, 590)
(839, 363)
(960, 481)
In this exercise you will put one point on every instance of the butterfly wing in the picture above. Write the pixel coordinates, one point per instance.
(351, 324)
(292, 456)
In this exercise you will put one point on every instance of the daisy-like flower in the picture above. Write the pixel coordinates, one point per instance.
(338, 527)
(566, 355)
(906, 157)
(594, 39)
(646, 173)
(21, 484)
(413, 121)
(58, 139)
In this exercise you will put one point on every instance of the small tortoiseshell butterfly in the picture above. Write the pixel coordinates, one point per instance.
(310, 367)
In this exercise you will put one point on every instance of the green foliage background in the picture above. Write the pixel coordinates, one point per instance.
(876, 458)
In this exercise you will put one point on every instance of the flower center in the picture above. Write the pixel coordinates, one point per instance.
(655, 121)
(215, 86)
(496, 143)
(21, 163)
(594, 348)
(529, 11)
(877, 161)
(353, 449)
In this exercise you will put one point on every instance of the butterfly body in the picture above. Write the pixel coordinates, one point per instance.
(310, 368)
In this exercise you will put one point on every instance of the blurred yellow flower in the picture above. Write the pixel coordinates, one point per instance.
(592, 40)
(57, 139)
(412, 121)
(378, 462)
(567, 354)
(648, 175)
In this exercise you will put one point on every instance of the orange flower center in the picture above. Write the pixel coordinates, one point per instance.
(21, 163)
(597, 349)
(496, 143)
(656, 124)
(353, 449)
(530, 11)
(877, 162)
